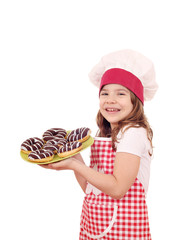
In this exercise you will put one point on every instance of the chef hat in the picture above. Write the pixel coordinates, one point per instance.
(128, 68)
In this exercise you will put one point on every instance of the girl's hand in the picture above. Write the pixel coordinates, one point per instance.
(64, 164)
(69, 164)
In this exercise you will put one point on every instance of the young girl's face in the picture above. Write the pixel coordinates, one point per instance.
(115, 103)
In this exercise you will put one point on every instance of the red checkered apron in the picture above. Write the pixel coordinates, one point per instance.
(109, 219)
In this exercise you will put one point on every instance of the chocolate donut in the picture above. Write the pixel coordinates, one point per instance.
(57, 141)
(55, 144)
(31, 144)
(53, 133)
(52, 147)
(69, 149)
(79, 134)
(41, 155)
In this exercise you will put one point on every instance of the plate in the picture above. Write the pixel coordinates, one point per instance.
(56, 158)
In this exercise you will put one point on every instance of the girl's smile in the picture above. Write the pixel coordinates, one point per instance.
(112, 110)
(115, 103)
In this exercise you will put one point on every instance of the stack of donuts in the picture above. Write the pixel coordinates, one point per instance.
(55, 141)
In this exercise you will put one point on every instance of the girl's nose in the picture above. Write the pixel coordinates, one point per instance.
(111, 99)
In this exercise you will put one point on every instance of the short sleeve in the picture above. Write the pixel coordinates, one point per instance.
(133, 141)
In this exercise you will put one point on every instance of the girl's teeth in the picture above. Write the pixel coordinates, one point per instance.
(112, 110)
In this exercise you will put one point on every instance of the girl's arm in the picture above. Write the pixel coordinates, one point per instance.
(125, 172)
(81, 180)
(116, 185)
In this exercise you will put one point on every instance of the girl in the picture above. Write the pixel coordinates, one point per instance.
(117, 180)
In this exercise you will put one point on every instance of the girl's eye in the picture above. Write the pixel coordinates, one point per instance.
(104, 93)
(121, 93)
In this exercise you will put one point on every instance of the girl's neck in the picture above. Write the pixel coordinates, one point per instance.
(113, 125)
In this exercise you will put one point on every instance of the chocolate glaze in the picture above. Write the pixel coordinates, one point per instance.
(69, 147)
(53, 133)
(57, 141)
(51, 147)
(77, 134)
(40, 154)
(32, 144)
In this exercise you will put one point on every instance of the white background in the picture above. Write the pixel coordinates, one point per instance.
(47, 49)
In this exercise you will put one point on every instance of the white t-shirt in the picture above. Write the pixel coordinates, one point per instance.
(135, 141)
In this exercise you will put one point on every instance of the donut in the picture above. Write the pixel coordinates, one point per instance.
(57, 141)
(52, 147)
(79, 134)
(55, 144)
(31, 144)
(40, 156)
(53, 133)
(69, 149)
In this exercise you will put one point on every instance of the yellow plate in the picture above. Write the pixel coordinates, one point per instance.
(56, 158)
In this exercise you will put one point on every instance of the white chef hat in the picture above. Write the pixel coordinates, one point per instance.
(128, 68)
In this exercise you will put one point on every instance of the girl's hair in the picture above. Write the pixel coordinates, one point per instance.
(136, 118)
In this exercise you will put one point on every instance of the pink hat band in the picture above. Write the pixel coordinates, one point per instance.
(124, 78)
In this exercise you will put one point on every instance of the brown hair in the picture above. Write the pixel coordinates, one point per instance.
(136, 118)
